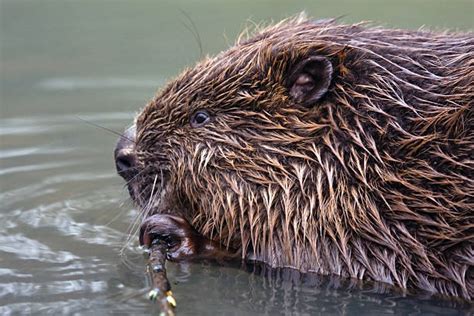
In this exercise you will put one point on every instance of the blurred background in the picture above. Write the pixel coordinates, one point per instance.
(65, 216)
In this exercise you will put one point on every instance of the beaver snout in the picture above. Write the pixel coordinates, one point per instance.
(124, 154)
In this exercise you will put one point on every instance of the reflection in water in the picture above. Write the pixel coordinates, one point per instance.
(206, 288)
(65, 217)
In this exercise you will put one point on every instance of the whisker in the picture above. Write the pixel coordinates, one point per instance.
(152, 189)
(135, 176)
(104, 128)
(114, 218)
(193, 31)
(144, 213)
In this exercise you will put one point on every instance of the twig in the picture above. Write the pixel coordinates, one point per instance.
(161, 288)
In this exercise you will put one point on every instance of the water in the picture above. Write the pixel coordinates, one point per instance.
(65, 215)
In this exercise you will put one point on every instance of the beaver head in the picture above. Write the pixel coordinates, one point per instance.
(324, 147)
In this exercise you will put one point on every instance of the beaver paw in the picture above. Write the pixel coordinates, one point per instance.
(181, 238)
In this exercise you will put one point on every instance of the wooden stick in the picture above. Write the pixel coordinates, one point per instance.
(161, 288)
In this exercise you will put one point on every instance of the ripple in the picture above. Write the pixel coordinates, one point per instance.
(57, 123)
(67, 286)
(31, 249)
(14, 273)
(75, 83)
(75, 305)
(67, 226)
(44, 166)
(29, 151)
(23, 130)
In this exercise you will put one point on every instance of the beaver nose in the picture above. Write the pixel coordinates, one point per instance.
(124, 154)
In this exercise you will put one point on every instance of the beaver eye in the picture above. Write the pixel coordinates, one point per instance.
(200, 118)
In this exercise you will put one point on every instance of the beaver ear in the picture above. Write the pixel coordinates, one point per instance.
(309, 80)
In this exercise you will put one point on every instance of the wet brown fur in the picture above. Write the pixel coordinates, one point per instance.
(374, 181)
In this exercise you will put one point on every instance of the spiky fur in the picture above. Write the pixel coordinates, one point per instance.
(375, 181)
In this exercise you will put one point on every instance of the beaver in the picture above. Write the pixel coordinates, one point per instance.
(318, 146)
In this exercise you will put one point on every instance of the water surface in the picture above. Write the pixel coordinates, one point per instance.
(65, 244)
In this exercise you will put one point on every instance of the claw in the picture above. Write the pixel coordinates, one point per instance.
(170, 229)
(183, 242)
